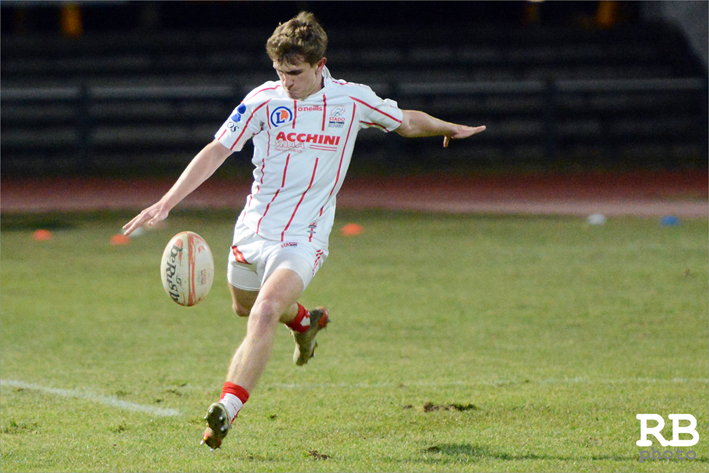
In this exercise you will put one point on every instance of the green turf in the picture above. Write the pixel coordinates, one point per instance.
(547, 335)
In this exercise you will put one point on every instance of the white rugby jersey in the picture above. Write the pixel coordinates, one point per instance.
(302, 149)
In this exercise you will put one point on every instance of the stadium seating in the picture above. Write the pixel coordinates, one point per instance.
(547, 95)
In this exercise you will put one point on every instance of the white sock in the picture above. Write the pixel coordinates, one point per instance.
(233, 405)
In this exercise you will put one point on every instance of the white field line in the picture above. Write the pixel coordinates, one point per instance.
(106, 400)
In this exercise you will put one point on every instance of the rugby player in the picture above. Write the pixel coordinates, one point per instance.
(303, 128)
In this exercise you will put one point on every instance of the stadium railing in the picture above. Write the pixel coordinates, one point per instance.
(538, 118)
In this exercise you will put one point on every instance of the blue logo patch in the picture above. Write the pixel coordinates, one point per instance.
(281, 115)
(236, 117)
(241, 108)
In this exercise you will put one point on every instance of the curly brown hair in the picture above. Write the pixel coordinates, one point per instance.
(299, 37)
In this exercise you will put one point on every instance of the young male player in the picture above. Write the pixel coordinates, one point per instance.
(303, 129)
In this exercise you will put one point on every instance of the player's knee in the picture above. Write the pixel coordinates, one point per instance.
(240, 310)
(266, 312)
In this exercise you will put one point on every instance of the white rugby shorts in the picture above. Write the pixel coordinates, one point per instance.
(252, 259)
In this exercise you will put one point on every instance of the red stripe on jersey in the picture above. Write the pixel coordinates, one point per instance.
(376, 124)
(295, 112)
(258, 187)
(246, 125)
(312, 178)
(324, 111)
(283, 183)
(262, 90)
(342, 156)
(223, 133)
(376, 109)
(285, 169)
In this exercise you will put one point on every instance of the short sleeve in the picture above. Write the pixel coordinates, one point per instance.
(239, 127)
(383, 114)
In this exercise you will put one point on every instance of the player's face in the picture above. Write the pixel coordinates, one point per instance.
(300, 80)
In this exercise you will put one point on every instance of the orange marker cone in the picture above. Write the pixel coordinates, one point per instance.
(120, 239)
(42, 235)
(352, 229)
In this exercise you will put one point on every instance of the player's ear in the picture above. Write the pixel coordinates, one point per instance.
(321, 63)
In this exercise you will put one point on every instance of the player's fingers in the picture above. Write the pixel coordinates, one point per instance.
(130, 224)
(469, 131)
(158, 217)
(137, 221)
(127, 230)
(446, 140)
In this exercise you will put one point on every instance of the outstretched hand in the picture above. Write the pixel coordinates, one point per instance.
(462, 131)
(153, 214)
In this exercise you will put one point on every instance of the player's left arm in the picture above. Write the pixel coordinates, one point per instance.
(415, 124)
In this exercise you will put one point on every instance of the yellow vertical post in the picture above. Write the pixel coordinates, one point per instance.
(606, 13)
(72, 26)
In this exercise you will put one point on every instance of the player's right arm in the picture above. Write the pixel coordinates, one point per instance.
(200, 168)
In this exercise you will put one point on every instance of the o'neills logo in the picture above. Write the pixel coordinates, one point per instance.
(172, 280)
(310, 108)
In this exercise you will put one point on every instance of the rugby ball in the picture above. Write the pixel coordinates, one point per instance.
(187, 268)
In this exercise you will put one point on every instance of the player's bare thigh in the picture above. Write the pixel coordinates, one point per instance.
(242, 300)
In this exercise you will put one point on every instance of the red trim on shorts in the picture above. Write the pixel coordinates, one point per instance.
(318, 254)
(238, 255)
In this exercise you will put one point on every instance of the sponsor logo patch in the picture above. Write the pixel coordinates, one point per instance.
(235, 120)
(310, 108)
(337, 118)
(299, 141)
(281, 115)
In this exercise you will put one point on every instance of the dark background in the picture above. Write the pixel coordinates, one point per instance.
(29, 17)
(560, 85)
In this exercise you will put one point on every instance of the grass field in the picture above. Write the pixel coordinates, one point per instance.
(458, 343)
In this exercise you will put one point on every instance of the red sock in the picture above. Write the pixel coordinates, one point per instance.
(233, 399)
(301, 323)
(236, 390)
